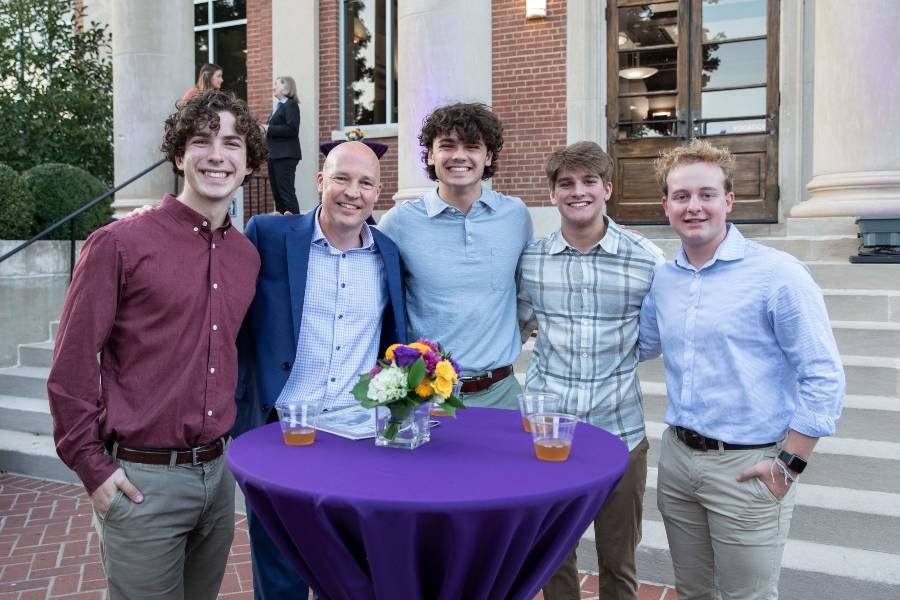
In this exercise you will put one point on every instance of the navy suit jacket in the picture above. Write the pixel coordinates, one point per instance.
(267, 342)
(284, 127)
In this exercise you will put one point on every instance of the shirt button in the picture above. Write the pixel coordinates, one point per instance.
(196, 229)
(343, 285)
(214, 246)
(332, 379)
(337, 347)
(286, 366)
(212, 369)
(205, 223)
(215, 327)
(215, 286)
(343, 256)
(209, 413)
(340, 316)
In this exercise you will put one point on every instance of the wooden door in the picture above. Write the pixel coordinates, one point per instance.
(692, 68)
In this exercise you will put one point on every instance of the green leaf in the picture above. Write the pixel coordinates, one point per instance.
(454, 401)
(360, 391)
(416, 374)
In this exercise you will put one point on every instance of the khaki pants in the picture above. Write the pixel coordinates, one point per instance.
(724, 535)
(500, 395)
(173, 545)
(617, 532)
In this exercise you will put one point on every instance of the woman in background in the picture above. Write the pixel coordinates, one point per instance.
(282, 136)
(209, 78)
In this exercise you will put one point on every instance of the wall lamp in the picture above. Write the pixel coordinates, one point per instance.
(535, 9)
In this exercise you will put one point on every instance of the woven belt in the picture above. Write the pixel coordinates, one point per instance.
(470, 385)
(696, 441)
(194, 456)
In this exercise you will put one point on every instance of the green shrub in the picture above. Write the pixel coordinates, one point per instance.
(61, 189)
(16, 206)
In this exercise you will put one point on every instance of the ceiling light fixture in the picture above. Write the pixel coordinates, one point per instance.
(637, 71)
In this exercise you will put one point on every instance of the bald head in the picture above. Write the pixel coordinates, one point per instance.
(355, 156)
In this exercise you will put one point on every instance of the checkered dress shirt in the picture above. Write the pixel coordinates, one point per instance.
(586, 307)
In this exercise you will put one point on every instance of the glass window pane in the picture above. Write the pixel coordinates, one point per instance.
(734, 127)
(648, 25)
(231, 55)
(647, 116)
(201, 48)
(229, 10)
(738, 63)
(201, 14)
(728, 19)
(364, 62)
(648, 71)
(733, 103)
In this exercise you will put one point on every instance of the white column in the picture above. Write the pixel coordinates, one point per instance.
(444, 56)
(856, 152)
(153, 64)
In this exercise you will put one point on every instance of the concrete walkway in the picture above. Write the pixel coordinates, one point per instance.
(48, 548)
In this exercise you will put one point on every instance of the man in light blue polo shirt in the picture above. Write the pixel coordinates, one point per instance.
(460, 244)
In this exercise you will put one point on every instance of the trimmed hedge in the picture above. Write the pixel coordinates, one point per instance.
(16, 206)
(59, 190)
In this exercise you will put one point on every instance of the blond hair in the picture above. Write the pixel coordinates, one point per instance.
(697, 151)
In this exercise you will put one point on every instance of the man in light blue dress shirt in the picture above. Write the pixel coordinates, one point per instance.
(753, 377)
(460, 244)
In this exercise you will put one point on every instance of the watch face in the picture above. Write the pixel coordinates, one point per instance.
(793, 462)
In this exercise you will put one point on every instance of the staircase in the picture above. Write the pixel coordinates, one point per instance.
(845, 533)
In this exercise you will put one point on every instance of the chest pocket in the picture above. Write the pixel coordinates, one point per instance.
(503, 268)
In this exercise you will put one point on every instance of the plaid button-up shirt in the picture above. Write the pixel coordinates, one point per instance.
(586, 307)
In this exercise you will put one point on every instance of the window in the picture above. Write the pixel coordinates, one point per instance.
(368, 62)
(220, 36)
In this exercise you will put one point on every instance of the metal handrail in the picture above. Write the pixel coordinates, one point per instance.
(70, 219)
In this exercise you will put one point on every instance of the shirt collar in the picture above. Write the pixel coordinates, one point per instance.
(733, 247)
(182, 213)
(319, 239)
(609, 242)
(435, 205)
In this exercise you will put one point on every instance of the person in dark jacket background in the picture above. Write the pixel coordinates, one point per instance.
(282, 137)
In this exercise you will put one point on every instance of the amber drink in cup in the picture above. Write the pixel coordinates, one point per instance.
(535, 402)
(552, 434)
(298, 421)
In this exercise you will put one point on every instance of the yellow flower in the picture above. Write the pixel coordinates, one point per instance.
(424, 389)
(442, 387)
(422, 348)
(389, 353)
(444, 370)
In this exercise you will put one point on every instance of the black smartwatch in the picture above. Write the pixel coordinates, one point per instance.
(792, 461)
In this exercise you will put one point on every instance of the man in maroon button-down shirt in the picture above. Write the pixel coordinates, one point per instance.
(161, 297)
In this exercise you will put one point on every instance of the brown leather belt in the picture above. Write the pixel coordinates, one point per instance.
(194, 456)
(470, 385)
(696, 441)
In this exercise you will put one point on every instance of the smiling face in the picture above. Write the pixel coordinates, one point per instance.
(349, 183)
(697, 205)
(214, 163)
(580, 196)
(458, 165)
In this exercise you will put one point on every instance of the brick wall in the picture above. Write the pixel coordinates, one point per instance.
(329, 101)
(257, 195)
(529, 95)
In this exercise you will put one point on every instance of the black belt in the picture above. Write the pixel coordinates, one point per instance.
(194, 456)
(696, 441)
(470, 385)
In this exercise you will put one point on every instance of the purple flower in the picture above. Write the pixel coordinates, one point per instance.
(456, 366)
(375, 370)
(404, 356)
(429, 343)
(431, 361)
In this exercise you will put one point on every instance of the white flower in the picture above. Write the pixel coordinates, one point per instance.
(388, 385)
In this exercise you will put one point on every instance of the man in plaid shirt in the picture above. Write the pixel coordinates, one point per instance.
(583, 286)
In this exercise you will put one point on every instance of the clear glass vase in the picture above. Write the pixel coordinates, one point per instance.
(394, 431)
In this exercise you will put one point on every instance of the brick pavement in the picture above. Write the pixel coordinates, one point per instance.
(48, 548)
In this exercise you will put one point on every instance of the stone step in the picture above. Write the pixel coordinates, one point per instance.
(873, 305)
(865, 375)
(54, 329)
(806, 248)
(39, 354)
(29, 382)
(867, 338)
(844, 275)
(33, 455)
(28, 415)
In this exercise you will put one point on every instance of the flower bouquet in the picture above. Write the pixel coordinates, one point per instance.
(404, 382)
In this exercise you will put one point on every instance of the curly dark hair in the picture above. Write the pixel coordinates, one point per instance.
(202, 111)
(472, 122)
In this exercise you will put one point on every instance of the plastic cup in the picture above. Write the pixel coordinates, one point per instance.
(536, 402)
(552, 434)
(298, 421)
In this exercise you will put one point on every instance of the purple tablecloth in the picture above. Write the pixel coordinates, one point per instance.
(472, 514)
